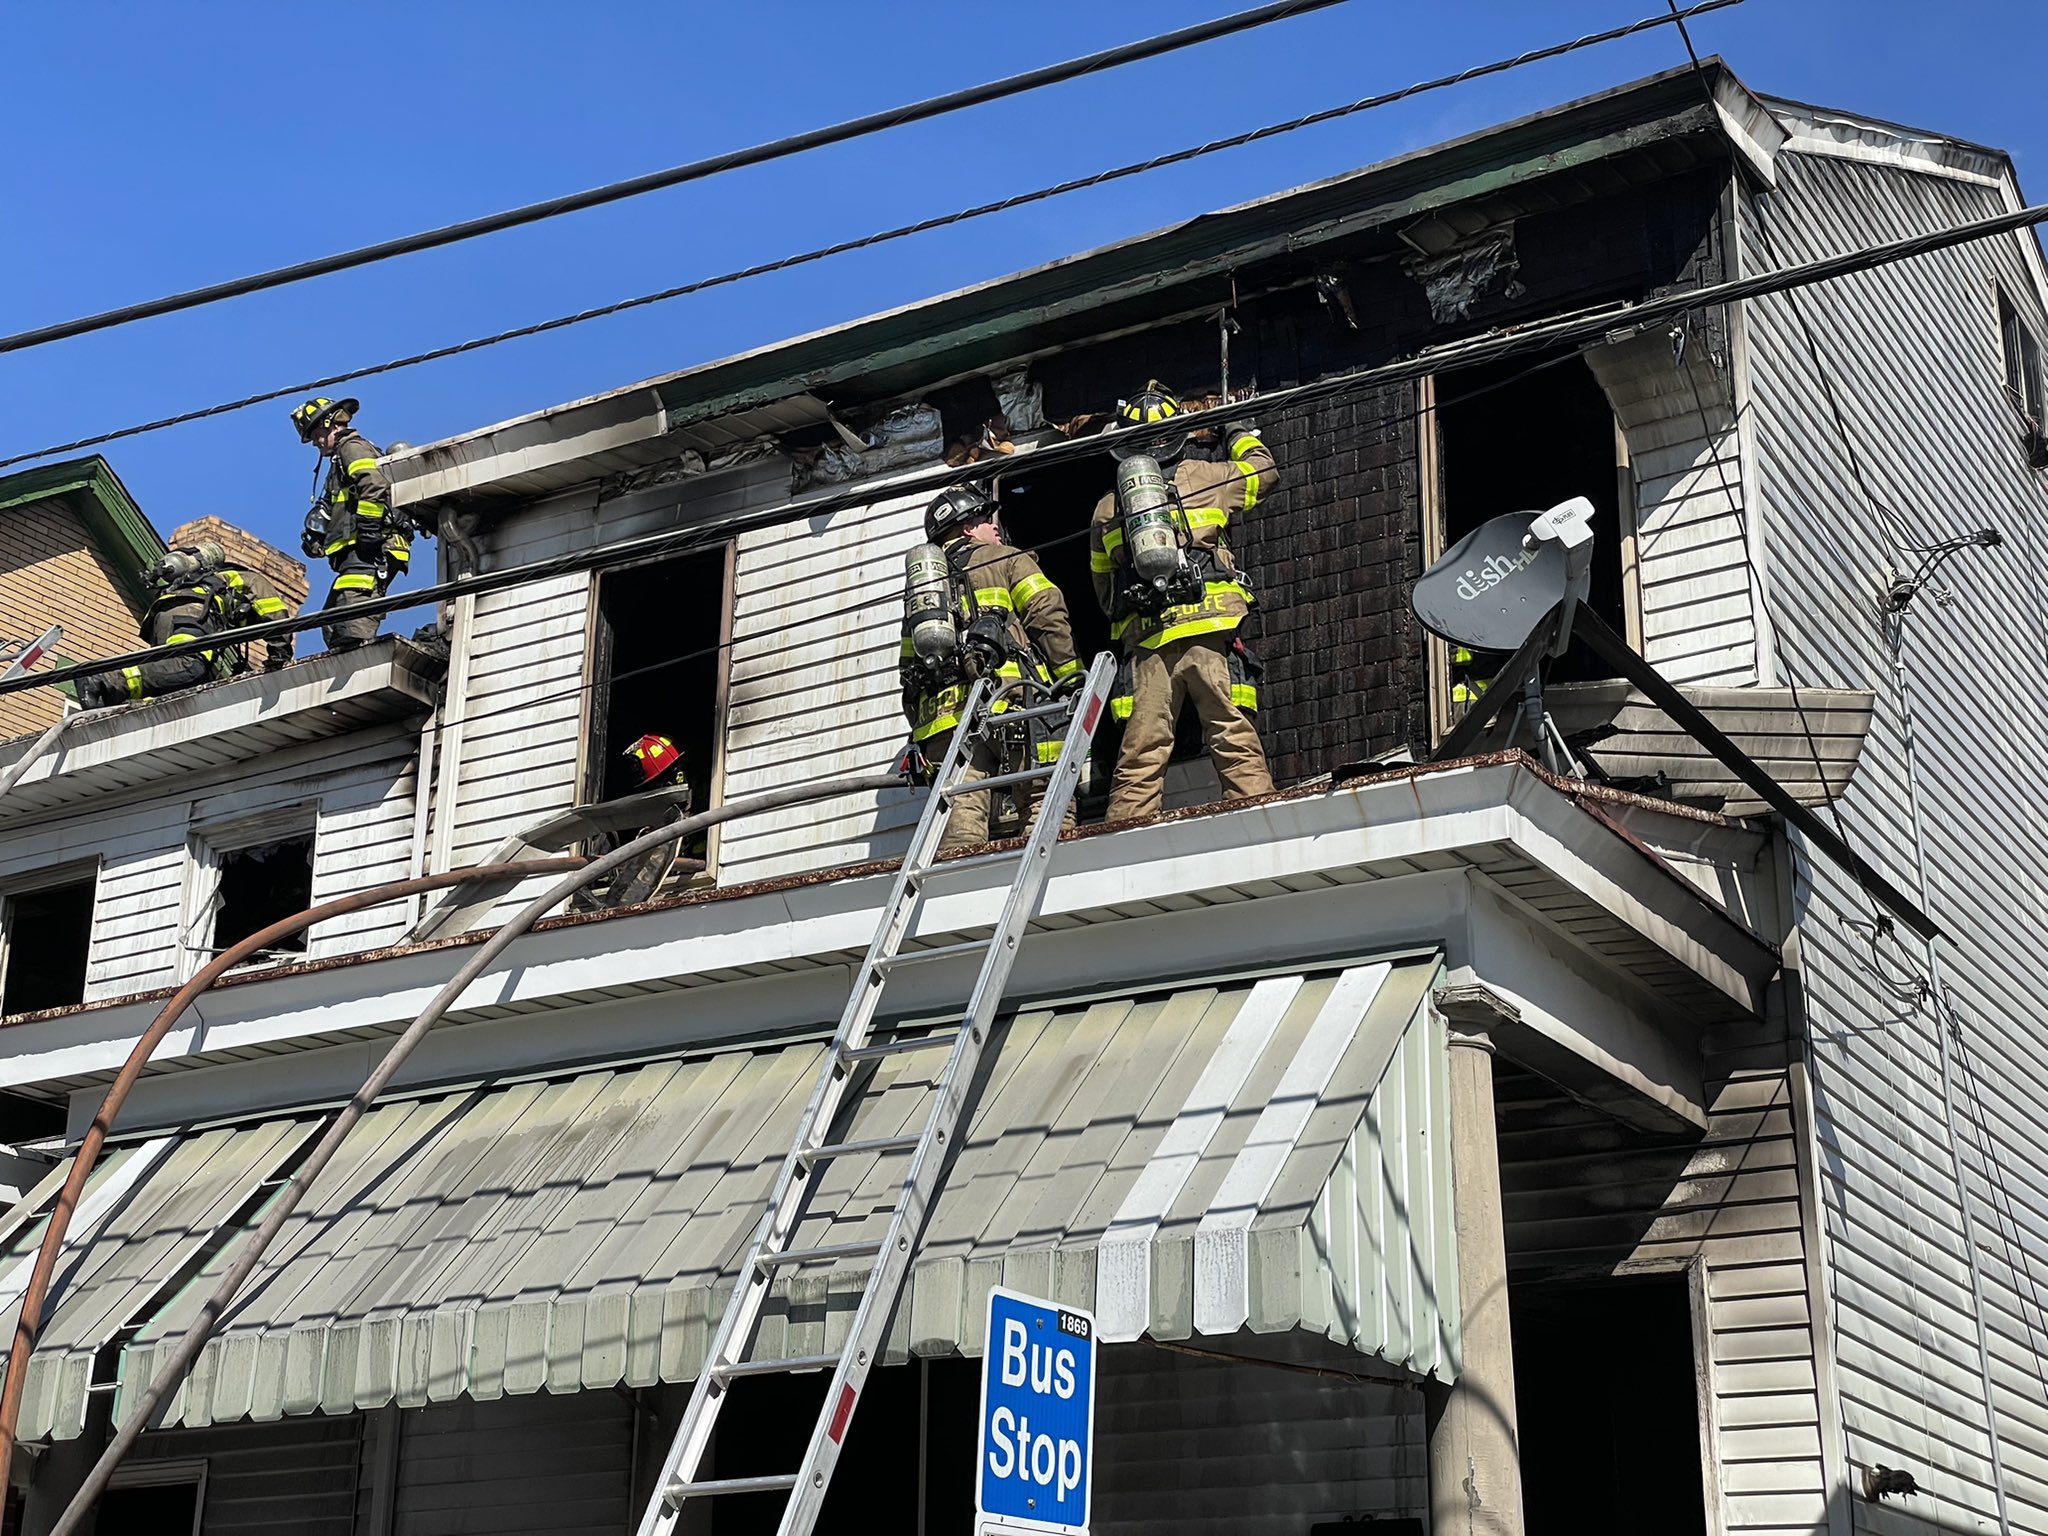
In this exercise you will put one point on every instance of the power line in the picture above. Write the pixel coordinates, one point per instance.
(810, 619)
(1976, 1113)
(1608, 323)
(882, 237)
(695, 170)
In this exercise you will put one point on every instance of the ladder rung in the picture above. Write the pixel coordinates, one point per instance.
(860, 1053)
(795, 1363)
(680, 1490)
(939, 952)
(810, 1155)
(973, 861)
(791, 1256)
(997, 781)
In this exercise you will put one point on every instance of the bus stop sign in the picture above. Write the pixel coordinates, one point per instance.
(1037, 1444)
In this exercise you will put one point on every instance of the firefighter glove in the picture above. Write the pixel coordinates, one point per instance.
(914, 766)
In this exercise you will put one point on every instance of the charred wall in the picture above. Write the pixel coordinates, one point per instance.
(1335, 549)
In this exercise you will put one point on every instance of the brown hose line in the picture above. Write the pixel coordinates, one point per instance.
(82, 1164)
(180, 1360)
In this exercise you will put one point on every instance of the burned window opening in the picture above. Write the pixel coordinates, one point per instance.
(657, 670)
(163, 1498)
(49, 936)
(25, 1119)
(1522, 444)
(1601, 1446)
(262, 884)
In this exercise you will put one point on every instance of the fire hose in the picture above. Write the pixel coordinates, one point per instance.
(581, 873)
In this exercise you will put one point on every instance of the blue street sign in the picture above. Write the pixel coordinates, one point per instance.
(1037, 1444)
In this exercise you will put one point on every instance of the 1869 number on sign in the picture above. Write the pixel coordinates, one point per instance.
(1074, 1324)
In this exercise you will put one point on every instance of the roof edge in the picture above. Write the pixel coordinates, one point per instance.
(113, 520)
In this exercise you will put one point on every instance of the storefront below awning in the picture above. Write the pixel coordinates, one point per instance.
(1266, 1153)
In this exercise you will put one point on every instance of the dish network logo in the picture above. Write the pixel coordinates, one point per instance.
(1492, 571)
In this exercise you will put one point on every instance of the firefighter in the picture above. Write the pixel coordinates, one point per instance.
(366, 542)
(1181, 643)
(653, 763)
(197, 593)
(1003, 605)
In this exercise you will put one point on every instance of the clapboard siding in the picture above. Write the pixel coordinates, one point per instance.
(515, 733)
(818, 700)
(296, 1477)
(1188, 1445)
(1938, 1342)
(1584, 1195)
(359, 793)
(536, 1464)
(1692, 576)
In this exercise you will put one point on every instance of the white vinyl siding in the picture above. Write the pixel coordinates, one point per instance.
(1952, 790)
(1692, 576)
(818, 700)
(359, 794)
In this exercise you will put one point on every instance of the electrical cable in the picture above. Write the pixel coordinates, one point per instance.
(695, 170)
(846, 247)
(1611, 322)
(1944, 1010)
(810, 619)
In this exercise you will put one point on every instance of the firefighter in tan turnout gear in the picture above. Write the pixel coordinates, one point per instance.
(352, 525)
(197, 593)
(1159, 553)
(974, 605)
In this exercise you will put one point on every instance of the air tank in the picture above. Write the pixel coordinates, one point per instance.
(1151, 531)
(928, 605)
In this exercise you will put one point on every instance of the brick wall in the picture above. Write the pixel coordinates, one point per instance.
(50, 573)
(243, 548)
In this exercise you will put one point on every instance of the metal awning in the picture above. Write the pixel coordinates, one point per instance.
(1267, 1153)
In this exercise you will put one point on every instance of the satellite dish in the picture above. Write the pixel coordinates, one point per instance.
(1487, 591)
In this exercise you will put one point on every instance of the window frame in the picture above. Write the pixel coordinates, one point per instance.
(597, 690)
(167, 1474)
(49, 878)
(206, 847)
(2017, 332)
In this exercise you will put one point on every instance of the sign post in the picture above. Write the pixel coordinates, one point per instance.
(1035, 1458)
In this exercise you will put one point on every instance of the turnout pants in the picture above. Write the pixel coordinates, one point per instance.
(356, 580)
(967, 820)
(1195, 670)
(151, 680)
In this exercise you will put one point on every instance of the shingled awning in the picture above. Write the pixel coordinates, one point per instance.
(1266, 1153)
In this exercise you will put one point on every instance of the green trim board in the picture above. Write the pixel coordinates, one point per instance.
(113, 521)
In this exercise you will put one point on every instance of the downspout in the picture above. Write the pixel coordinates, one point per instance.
(173, 1371)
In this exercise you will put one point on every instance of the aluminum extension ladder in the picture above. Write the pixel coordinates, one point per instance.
(851, 1049)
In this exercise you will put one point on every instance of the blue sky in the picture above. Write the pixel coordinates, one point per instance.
(154, 148)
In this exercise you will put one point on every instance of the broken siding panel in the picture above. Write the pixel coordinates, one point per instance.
(1699, 623)
(817, 626)
(1923, 1249)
